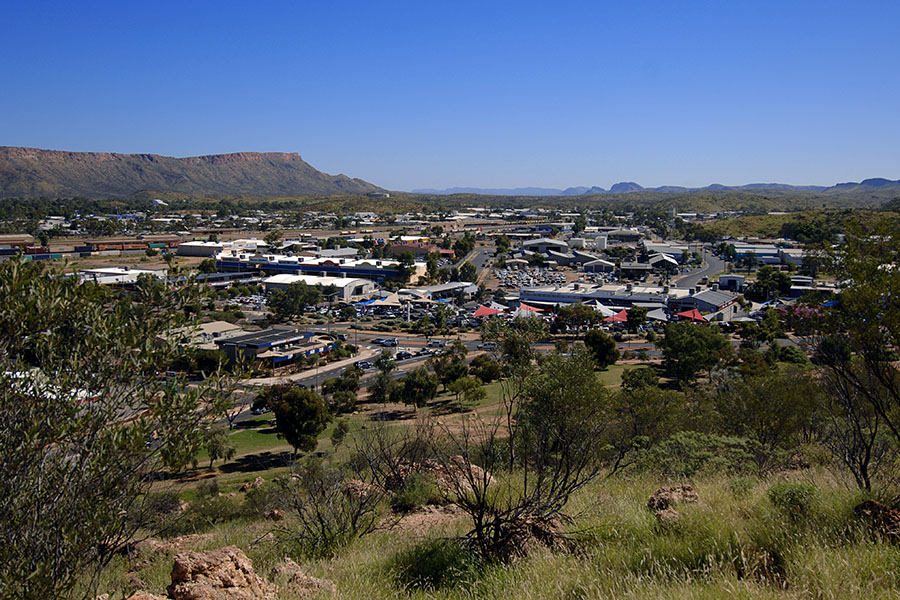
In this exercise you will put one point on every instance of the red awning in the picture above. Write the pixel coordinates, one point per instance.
(484, 311)
(693, 315)
(523, 306)
(619, 317)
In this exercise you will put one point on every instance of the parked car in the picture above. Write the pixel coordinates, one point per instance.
(342, 337)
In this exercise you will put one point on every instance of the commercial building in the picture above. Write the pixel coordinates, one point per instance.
(676, 251)
(597, 266)
(211, 249)
(124, 277)
(205, 335)
(348, 288)
(419, 249)
(377, 270)
(619, 295)
(734, 283)
(274, 346)
(720, 302)
(544, 245)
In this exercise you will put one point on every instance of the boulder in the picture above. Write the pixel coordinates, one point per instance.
(252, 485)
(274, 515)
(668, 497)
(302, 585)
(145, 596)
(356, 488)
(884, 518)
(223, 574)
(151, 546)
(667, 517)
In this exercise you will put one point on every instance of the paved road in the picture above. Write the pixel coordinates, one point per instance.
(712, 265)
(480, 260)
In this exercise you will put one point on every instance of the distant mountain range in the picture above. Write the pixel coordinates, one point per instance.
(626, 187)
(30, 173)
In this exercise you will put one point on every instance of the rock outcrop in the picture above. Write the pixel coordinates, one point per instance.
(668, 497)
(223, 574)
(299, 583)
(252, 485)
(662, 502)
(884, 519)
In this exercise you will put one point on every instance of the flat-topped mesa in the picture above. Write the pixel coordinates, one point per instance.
(32, 172)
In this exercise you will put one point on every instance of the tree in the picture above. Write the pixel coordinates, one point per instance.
(382, 388)
(207, 266)
(633, 379)
(689, 349)
(300, 415)
(448, 368)
(503, 244)
(485, 368)
(856, 340)
(602, 348)
(580, 224)
(464, 245)
(431, 266)
(769, 283)
(407, 265)
(773, 408)
(637, 316)
(467, 389)
(74, 474)
(637, 418)
(578, 315)
(418, 387)
(218, 445)
(341, 429)
(292, 301)
(273, 237)
(468, 272)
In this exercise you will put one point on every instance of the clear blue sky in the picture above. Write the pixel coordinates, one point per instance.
(489, 94)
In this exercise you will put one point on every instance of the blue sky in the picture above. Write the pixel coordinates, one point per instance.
(490, 94)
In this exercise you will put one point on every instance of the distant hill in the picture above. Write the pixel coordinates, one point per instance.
(31, 173)
(627, 187)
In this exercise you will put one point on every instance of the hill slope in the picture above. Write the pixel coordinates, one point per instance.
(29, 173)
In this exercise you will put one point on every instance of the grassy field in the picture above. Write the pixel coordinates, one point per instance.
(733, 543)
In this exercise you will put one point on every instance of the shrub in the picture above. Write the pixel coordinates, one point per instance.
(203, 513)
(437, 563)
(741, 486)
(688, 453)
(793, 355)
(208, 488)
(260, 500)
(795, 500)
(162, 503)
(419, 489)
